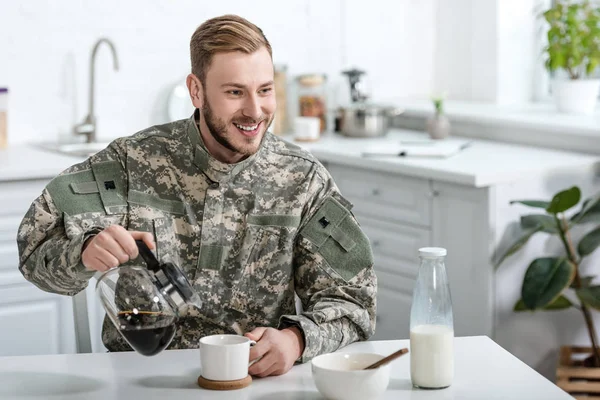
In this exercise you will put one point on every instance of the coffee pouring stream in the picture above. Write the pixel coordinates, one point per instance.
(145, 302)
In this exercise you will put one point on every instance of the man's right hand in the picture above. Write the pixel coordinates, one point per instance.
(112, 247)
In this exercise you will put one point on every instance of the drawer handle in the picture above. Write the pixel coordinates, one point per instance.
(375, 192)
(433, 193)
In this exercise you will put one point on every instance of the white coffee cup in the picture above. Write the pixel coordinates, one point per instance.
(225, 357)
(307, 128)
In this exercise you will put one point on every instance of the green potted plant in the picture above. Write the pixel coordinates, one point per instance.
(556, 283)
(574, 48)
(438, 125)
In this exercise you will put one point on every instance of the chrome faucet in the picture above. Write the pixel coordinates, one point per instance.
(88, 126)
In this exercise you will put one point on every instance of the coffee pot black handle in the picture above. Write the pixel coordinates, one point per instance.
(171, 272)
(148, 256)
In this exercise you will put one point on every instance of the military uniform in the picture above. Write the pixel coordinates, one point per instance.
(247, 235)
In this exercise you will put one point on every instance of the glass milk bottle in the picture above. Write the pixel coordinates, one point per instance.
(431, 323)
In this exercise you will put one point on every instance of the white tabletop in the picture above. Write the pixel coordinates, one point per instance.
(483, 370)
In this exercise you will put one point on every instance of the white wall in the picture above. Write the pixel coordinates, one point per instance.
(486, 50)
(45, 49)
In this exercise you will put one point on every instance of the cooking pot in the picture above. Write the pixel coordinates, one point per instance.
(366, 119)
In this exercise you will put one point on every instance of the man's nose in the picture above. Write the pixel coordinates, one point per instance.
(252, 108)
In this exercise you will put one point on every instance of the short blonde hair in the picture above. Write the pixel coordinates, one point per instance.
(224, 34)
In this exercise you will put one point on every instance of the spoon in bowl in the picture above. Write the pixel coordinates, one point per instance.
(387, 359)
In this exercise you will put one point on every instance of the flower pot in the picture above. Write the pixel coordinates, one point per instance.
(573, 377)
(438, 126)
(576, 96)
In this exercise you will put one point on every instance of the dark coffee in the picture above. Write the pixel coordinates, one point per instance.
(147, 332)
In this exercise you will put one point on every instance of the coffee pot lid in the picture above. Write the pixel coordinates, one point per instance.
(172, 283)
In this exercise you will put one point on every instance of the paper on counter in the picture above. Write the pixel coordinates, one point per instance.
(434, 148)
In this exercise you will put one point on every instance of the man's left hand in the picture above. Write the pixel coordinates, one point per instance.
(277, 350)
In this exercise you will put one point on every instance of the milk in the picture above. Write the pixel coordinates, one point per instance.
(431, 356)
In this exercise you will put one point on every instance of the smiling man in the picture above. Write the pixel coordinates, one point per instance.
(251, 220)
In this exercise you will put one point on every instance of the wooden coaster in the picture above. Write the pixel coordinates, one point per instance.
(224, 385)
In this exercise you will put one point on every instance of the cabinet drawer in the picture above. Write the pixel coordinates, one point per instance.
(395, 246)
(393, 315)
(9, 227)
(18, 196)
(395, 250)
(9, 257)
(386, 196)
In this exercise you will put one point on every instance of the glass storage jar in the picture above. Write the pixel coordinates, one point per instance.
(312, 97)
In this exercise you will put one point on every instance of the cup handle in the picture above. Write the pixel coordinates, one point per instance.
(253, 343)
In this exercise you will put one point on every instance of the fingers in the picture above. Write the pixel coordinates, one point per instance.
(112, 247)
(147, 237)
(94, 263)
(256, 334)
(264, 367)
(259, 350)
(109, 248)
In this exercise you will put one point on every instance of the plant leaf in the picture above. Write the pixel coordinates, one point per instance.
(590, 211)
(545, 280)
(532, 203)
(560, 303)
(564, 200)
(585, 281)
(589, 242)
(590, 296)
(517, 244)
(547, 223)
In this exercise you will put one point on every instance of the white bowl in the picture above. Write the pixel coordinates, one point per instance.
(339, 376)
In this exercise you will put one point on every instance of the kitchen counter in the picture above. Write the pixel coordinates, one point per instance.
(24, 161)
(483, 370)
(483, 163)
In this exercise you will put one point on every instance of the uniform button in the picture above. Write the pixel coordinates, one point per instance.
(214, 185)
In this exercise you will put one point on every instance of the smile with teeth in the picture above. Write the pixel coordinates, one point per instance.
(247, 127)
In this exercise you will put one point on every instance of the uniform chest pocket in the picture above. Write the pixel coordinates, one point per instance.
(264, 262)
(268, 242)
(263, 246)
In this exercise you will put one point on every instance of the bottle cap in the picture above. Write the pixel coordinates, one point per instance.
(432, 252)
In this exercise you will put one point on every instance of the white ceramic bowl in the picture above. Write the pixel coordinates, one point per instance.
(338, 376)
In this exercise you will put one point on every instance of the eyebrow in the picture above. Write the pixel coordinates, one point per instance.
(239, 85)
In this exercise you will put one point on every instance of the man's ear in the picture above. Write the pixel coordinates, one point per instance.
(195, 89)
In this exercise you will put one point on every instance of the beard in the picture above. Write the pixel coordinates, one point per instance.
(218, 130)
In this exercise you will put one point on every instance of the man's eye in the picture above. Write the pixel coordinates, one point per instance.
(267, 90)
(235, 92)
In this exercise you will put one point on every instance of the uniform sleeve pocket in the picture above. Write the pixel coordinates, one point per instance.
(337, 237)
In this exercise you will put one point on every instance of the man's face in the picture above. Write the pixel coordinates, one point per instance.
(238, 102)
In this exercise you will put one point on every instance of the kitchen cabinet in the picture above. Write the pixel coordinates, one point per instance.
(460, 203)
(400, 214)
(32, 321)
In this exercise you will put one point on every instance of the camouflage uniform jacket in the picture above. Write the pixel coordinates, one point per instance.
(247, 235)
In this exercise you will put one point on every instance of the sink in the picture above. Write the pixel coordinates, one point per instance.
(75, 149)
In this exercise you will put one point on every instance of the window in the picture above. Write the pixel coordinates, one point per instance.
(543, 77)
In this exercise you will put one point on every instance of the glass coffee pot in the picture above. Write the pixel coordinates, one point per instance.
(144, 302)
